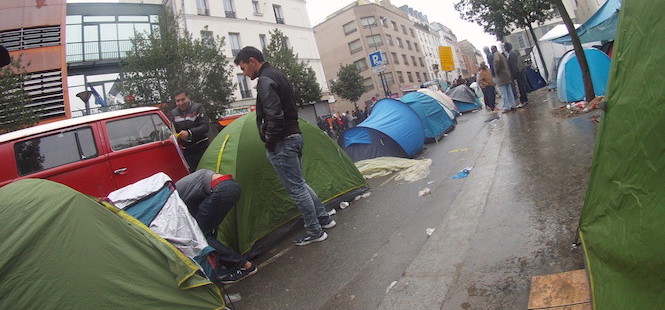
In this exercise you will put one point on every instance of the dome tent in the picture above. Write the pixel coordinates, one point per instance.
(265, 212)
(464, 98)
(391, 129)
(432, 113)
(443, 98)
(570, 85)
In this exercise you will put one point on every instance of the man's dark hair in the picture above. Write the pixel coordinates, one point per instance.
(180, 91)
(247, 52)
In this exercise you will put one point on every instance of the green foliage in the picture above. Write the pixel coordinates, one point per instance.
(15, 110)
(349, 83)
(301, 75)
(499, 17)
(160, 63)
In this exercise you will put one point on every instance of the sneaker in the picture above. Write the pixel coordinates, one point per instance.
(519, 106)
(307, 239)
(330, 224)
(237, 275)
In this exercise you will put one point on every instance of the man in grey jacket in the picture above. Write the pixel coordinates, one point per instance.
(517, 72)
(277, 120)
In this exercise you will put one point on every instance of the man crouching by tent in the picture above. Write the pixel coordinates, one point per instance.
(277, 120)
(209, 196)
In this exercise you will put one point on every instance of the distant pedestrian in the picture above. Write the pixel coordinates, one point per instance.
(487, 85)
(518, 73)
(504, 80)
(277, 121)
(191, 125)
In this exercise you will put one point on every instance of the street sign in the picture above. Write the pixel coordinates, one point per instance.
(446, 57)
(379, 69)
(376, 59)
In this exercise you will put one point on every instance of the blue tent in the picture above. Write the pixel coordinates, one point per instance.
(391, 129)
(570, 86)
(465, 99)
(601, 26)
(432, 114)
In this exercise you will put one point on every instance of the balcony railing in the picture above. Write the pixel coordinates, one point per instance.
(97, 50)
(245, 93)
(235, 51)
(203, 11)
(279, 20)
(230, 14)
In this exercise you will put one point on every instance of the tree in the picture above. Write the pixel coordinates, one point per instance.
(498, 16)
(164, 61)
(301, 75)
(15, 110)
(589, 93)
(349, 83)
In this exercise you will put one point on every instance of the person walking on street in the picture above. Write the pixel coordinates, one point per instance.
(191, 126)
(487, 85)
(277, 120)
(209, 197)
(504, 80)
(517, 72)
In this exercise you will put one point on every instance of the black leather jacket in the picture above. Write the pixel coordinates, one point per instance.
(195, 121)
(276, 111)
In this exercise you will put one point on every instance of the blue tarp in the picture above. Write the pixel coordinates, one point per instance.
(570, 86)
(391, 129)
(436, 121)
(601, 26)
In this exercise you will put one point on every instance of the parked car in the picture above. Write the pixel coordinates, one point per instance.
(94, 154)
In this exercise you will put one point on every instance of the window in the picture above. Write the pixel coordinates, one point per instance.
(130, 132)
(349, 28)
(369, 85)
(374, 41)
(54, 150)
(413, 60)
(279, 16)
(368, 21)
(408, 44)
(412, 33)
(520, 40)
(264, 42)
(418, 77)
(385, 58)
(425, 76)
(394, 26)
(383, 21)
(415, 45)
(389, 39)
(388, 77)
(361, 64)
(403, 29)
(355, 46)
(245, 92)
(406, 62)
(420, 60)
(234, 42)
(409, 76)
(256, 8)
(287, 42)
(229, 9)
(202, 7)
(207, 38)
(399, 42)
(400, 77)
(395, 58)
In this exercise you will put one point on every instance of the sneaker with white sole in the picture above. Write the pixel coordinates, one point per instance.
(330, 224)
(237, 275)
(307, 239)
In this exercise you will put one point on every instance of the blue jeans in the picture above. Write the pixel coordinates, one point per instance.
(287, 161)
(508, 96)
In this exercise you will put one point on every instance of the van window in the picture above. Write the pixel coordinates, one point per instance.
(134, 131)
(46, 152)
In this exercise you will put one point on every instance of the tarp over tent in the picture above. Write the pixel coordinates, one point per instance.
(464, 98)
(621, 225)
(64, 250)
(441, 97)
(391, 129)
(260, 216)
(570, 85)
(432, 113)
(601, 26)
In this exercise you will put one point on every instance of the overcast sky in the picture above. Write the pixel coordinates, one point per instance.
(442, 11)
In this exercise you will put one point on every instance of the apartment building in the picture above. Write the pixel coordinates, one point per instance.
(349, 35)
(35, 30)
(429, 41)
(448, 38)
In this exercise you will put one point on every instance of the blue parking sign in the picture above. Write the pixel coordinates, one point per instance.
(375, 59)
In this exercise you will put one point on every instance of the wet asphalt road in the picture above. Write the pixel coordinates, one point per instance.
(514, 217)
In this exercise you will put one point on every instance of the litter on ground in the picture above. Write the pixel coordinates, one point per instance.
(463, 173)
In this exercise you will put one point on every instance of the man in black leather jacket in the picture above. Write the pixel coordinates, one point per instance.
(277, 120)
(191, 125)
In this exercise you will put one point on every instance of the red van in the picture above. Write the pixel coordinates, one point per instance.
(94, 154)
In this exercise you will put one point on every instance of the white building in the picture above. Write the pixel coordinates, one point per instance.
(429, 41)
(448, 38)
(248, 23)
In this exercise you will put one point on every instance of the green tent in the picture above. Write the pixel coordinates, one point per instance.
(264, 205)
(61, 249)
(621, 225)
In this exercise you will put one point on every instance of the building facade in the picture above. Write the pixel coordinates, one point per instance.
(448, 38)
(429, 41)
(349, 35)
(34, 30)
(248, 23)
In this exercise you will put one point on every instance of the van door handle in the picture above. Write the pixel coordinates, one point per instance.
(120, 171)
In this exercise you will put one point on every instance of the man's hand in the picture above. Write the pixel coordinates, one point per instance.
(183, 135)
